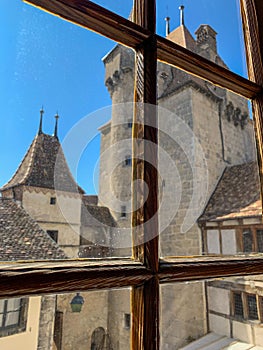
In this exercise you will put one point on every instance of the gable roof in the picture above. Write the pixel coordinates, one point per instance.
(183, 37)
(43, 160)
(94, 215)
(21, 238)
(237, 194)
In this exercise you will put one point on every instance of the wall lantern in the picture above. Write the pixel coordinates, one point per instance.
(76, 303)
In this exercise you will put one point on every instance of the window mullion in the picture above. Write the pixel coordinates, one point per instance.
(250, 11)
(145, 298)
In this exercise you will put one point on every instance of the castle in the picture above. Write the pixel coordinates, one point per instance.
(228, 221)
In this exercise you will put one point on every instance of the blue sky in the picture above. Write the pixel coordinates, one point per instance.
(47, 61)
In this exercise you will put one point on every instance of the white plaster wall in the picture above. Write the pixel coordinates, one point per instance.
(66, 209)
(258, 333)
(218, 300)
(243, 332)
(219, 325)
(213, 244)
(229, 244)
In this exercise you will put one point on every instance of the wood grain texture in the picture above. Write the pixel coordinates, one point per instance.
(176, 270)
(144, 220)
(137, 317)
(102, 21)
(151, 339)
(38, 278)
(145, 301)
(251, 11)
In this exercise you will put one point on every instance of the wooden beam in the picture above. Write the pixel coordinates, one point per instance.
(145, 220)
(57, 277)
(145, 139)
(251, 11)
(177, 270)
(174, 54)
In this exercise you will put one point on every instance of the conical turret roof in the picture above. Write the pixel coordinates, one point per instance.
(44, 165)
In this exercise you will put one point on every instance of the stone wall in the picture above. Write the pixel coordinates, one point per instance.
(63, 216)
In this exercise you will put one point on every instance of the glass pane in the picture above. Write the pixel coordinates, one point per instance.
(12, 318)
(13, 304)
(122, 8)
(209, 191)
(2, 304)
(247, 241)
(75, 203)
(85, 320)
(260, 240)
(204, 27)
(215, 314)
(99, 324)
(238, 305)
(252, 307)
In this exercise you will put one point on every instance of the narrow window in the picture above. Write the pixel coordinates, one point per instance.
(129, 124)
(53, 200)
(128, 161)
(260, 240)
(123, 211)
(53, 234)
(247, 241)
(252, 307)
(127, 321)
(238, 305)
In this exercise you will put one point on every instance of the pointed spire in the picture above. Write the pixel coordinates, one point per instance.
(40, 122)
(181, 8)
(56, 126)
(167, 31)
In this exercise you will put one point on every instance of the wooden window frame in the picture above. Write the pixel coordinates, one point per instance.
(233, 305)
(244, 298)
(239, 237)
(145, 271)
(18, 327)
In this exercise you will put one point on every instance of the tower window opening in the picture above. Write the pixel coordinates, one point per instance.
(123, 211)
(127, 321)
(129, 124)
(52, 200)
(128, 161)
